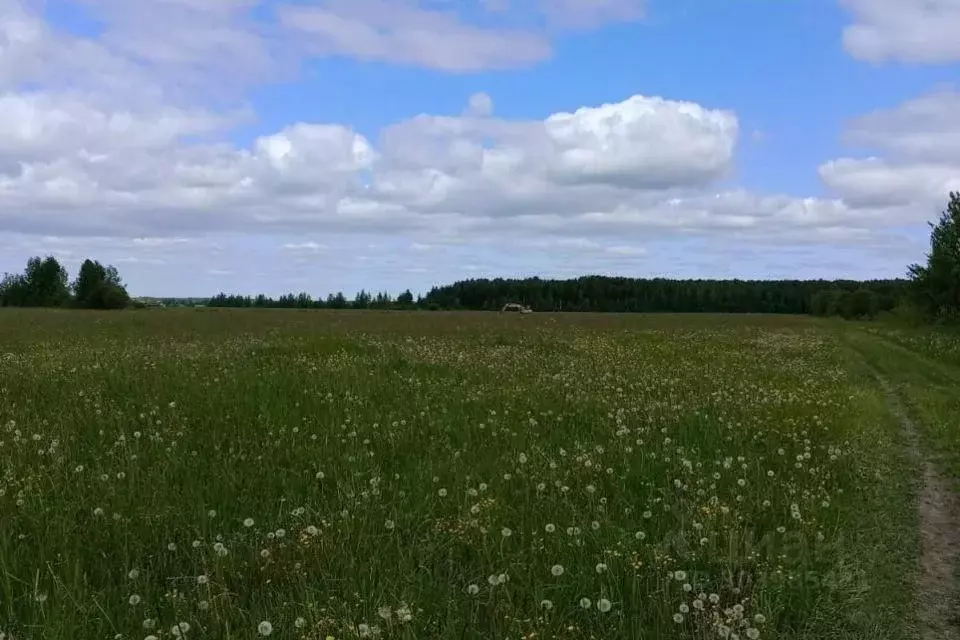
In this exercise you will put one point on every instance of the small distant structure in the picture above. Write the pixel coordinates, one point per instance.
(148, 303)
(516, 308)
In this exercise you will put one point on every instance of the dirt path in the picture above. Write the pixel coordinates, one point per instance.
(938, 508)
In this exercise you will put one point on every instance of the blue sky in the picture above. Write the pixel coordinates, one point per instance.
(323, 145)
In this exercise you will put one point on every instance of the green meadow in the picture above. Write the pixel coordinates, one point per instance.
(415, 475)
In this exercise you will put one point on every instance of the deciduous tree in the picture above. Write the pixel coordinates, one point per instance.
(935, 286)
(99, 287)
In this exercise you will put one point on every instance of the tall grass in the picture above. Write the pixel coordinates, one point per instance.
(313, 475)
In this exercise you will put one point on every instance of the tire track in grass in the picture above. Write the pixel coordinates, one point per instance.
(938, 508)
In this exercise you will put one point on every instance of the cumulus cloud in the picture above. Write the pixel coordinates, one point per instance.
(876, 182)
(922, 31)
(619, 174)
(921, 138)
(925, 128)
(479, 105)
(43, 124)
(567, 164)
(111, 139)
(85, 169)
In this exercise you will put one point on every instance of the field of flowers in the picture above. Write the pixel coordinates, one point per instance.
(314, 475)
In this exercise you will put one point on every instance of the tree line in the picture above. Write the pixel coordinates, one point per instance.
(931, 290)
(610, 294)
(594, 293)
(45, 283)
(613, 294)
(363, 300)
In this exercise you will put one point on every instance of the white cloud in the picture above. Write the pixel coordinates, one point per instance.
(218, 47)
(200, 45)
(109, 144)
(642, 141)
(479, 105)
(400, 31)
(96, 162)
(878, 183)
(925, 128)
(605, 181)
(44, 124)
(922, 31)
(578, 247)
(88, 169)
(922, 137)
(31, 51)
(305, 247)
(562, 165)
(438, 35)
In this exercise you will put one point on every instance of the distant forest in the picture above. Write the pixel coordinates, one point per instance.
(931, 292)
(845, 298)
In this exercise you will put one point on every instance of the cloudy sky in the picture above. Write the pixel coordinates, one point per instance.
(323, 145)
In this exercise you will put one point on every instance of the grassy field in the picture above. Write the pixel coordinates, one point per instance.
(925, 367)
(241, 474)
